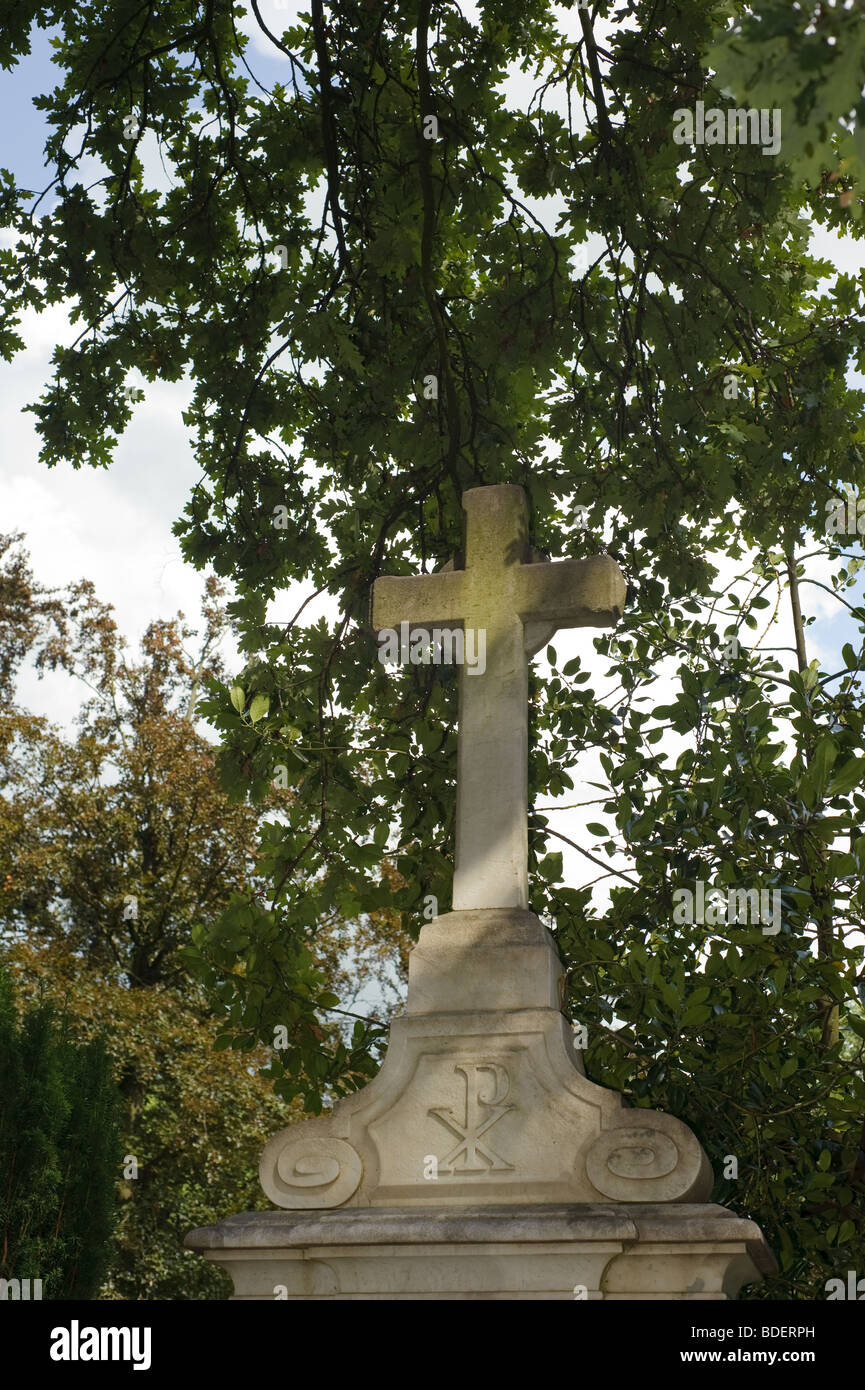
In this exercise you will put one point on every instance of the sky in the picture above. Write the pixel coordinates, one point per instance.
(111, 526)
(114, 526)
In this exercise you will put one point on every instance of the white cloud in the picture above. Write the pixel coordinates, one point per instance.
(278, 15)
(111, 526)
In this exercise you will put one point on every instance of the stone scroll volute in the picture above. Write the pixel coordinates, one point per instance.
(645, 1156)
(306, 1169)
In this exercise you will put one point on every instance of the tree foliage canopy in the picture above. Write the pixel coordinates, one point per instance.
(455, 249)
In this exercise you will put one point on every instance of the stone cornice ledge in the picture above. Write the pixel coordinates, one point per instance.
(643, 1223)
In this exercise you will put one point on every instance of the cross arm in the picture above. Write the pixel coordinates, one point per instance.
(573, 593)
(419, 599)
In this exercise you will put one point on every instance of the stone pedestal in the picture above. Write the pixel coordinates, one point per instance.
(591, 1251)
(481, 1162)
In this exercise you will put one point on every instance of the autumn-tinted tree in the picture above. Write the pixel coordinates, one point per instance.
(116, 842)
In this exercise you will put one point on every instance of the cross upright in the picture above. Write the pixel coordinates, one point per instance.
(519, 600)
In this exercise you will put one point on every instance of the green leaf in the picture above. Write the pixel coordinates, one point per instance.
(259, 707)
(430, 737)
(810, 675)
(848, 776)
(695, 1014)
(238, 698)
(550, 867)
(824, 756)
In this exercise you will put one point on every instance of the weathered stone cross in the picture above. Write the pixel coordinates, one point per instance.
(519, 600)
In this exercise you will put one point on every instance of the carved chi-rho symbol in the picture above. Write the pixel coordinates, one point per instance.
(520, 600)
(481, 1113)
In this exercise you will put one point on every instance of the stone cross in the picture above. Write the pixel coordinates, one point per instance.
(518, 599)
(545, 1183)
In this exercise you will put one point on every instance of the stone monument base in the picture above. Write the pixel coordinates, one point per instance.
(655, 1250)
(482, 1163)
